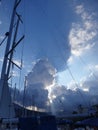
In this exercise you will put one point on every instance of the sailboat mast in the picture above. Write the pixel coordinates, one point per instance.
(4, 66)
(6, 105)
(8, 42)
(11, 55)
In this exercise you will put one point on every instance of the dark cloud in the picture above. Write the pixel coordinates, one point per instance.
(38, 95)
(56, 51)
(62, 99)
(50, 33)
(67, 100)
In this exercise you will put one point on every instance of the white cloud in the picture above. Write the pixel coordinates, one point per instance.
(82, 34)
(79, 9)
(70, 60)
(72, 85)
(94, 71)
(90, 81)
(42, 72)
(40, 81)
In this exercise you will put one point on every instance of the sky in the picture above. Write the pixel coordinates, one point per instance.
(59, 51)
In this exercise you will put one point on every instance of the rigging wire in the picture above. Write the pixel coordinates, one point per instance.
(20, 74)
(90, 70)
(21, 65)
(59, 48)
(67, 67)
(20, 79)
(61, 54)
(22, 48)
(14, 93)
(77, 86)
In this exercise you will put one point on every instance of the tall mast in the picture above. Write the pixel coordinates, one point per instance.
(6, 106)
(4, 67)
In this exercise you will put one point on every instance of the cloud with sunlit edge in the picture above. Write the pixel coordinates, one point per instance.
(39, 81)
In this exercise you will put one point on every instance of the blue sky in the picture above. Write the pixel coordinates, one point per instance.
(62, 31)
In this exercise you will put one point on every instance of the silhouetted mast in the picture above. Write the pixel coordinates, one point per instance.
(5, 97)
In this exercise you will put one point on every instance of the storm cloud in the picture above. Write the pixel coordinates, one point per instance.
(61, 99)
